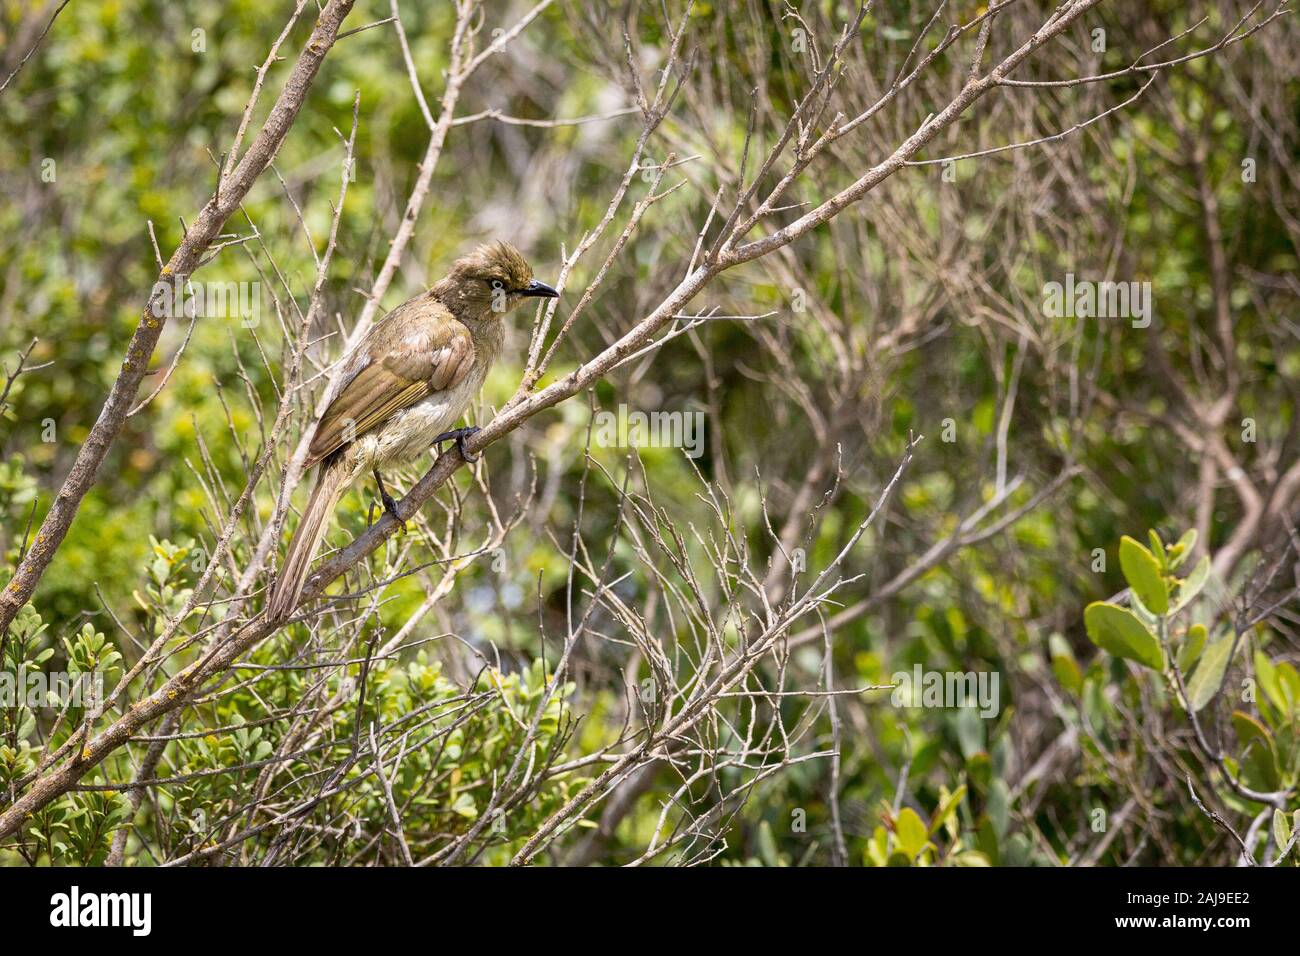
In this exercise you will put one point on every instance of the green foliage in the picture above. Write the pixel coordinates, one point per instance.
(1145, 573)
(905, 839)
(1266, 755)
(1122, 633)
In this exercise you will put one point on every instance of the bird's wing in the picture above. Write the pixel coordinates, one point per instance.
(405, 358)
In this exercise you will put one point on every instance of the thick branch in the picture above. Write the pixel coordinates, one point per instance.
(230, 192)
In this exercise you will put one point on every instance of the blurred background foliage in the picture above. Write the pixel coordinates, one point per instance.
(115, 124)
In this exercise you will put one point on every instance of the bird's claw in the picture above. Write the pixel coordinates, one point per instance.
(390, 505)
(458, 435)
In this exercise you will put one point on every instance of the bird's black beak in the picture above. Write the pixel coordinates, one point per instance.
(539, 290)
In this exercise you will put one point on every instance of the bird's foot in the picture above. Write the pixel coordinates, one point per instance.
(390, 505)
(458, 435)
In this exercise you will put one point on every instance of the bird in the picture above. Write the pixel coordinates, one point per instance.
(403, 387)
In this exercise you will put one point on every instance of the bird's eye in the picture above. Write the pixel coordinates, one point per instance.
(497, 285)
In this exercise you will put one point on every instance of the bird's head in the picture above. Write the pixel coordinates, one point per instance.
(489, 282)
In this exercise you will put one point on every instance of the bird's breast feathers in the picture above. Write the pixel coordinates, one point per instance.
(410, 432)
(411, 378)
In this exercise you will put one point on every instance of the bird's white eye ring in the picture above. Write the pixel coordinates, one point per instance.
(497, 285)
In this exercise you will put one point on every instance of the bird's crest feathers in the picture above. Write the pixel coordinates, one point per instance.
(494, 260)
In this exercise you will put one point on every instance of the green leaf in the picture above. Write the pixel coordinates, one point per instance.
(877, 847)
(1261, 752)
(1249, 728)
(1281, 830)
(970, 730)
(911, 831)
(1266, 675)
(1142, 571)
(1192, 645)
(1288, 685)
(1191, 585)
(1158, 548)
(464, 806)
(767, 851)
(1179, 552)
(987, 839)
(1204, 683)
(1117, 630)
(1064, 666)
(946, 809)
(998, 807)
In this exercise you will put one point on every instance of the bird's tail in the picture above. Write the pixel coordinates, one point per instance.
(311, 529)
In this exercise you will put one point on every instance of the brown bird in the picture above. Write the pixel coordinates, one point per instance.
(408, 381)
